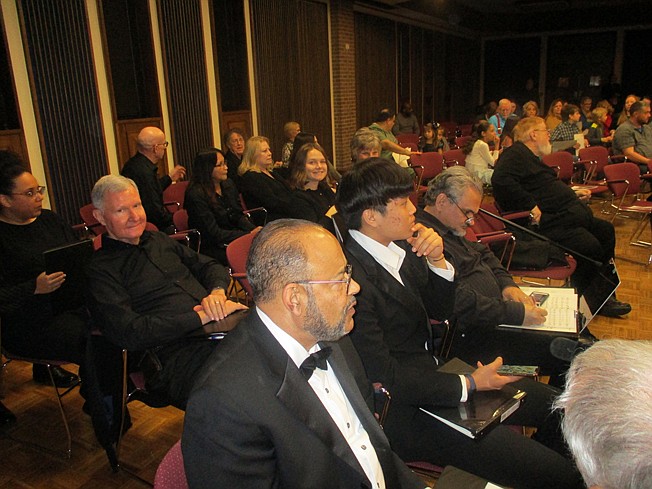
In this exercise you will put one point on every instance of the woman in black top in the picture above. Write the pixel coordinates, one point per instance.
(213, 205)
(29, 327)
(261, 188)
(309, 179)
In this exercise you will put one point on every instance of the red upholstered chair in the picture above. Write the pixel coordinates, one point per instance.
(171, 473)
(236, 254)
(567, 171)
(93, 226)
(461, 141)
(408, 140)
(454, 157)
(426, 166)
(624, 181)
(174, 195)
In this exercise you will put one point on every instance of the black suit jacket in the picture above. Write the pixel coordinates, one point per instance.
(253, 421)
(392, 327)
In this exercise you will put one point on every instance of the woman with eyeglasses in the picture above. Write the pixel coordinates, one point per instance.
(29, 328)
(213, 205)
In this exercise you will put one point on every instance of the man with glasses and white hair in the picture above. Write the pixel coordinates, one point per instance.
(142, 168)
(521, 181)
(485, 293)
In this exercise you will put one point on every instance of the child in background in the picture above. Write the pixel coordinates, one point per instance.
(433, 139)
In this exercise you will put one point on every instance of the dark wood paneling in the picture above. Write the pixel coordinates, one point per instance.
(463, 81)
(187, 87)
(292, 69)
(375, 54)
(68, 112)
(236, 120)
(126, 133)
(14, 141)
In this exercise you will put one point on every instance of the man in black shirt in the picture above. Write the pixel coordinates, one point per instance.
(142, 168)
(521, 181)
(147, 291)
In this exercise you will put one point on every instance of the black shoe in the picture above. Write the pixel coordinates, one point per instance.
(62, 378)
(614, 308)
(6, 416)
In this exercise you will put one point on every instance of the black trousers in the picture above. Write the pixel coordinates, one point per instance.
(578, 229)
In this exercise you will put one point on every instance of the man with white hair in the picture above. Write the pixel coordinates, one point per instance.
(607, 418)
(521, 181)
(499, 119)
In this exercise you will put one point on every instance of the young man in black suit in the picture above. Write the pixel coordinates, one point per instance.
(405, 280)
(258, 415)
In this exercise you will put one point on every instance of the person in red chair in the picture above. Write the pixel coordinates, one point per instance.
(485, 293)
(633, 138)
(521, 181)
(147, 292)
(142, 168)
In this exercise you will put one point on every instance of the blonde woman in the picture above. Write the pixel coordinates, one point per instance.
(624, 115)
(260, 187)
(553, 119)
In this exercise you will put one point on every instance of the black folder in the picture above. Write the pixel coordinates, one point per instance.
(70, 259)
(484, 410)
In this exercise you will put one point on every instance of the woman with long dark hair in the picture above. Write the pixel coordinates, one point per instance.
(213, 204)
(479, 158)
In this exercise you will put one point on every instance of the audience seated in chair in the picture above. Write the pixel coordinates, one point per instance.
(29, 327)
(142, 168)
(606, 421)
(234, 140)
(147, 292)
(310, 182)
(282, 402)
(562, 137)
(213, 205)
(480, 159)
(261, 188)
(521, 181)
(485, 293)
(633, 138)
(290, 129)
(405, 281)
(364, 145)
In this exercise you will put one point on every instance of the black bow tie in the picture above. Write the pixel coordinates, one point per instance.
(315, 360)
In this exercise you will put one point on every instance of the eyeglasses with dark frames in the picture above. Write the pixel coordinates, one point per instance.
(32, 193)
(348, 271)
(470, 220)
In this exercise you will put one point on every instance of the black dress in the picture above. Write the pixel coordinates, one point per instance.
(261, 190)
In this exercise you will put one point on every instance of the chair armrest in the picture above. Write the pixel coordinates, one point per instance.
(172, 206)
(618, 159)
(449, 163)
(248, 212)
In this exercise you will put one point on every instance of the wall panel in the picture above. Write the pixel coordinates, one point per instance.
(67, 106)
(185, 65)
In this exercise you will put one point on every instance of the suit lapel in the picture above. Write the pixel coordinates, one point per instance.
(407, 298)
(297, 395)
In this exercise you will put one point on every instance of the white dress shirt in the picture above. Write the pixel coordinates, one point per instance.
(329, 391)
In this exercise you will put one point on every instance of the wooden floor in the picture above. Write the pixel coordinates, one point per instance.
(155, 430)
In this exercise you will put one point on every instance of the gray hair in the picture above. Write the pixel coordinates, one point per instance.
(278, 257)
(110, 184)
(452, 182)
(608, 414)
(364, 138)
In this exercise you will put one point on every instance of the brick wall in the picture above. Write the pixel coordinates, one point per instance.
(343, 68)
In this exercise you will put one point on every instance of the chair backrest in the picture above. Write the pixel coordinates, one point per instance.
(93, 225)
(176, 192)
(407, 139)
(623, 178)
(454, 157)
(562, 160)
(599, 154)
(236, 254)
(180, 219)
(486, 224)
(432, 163)
(450, 128)
(461, 141)
(171, 473)
(465, 129)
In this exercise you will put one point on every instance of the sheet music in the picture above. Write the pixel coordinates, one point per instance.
(562, 310)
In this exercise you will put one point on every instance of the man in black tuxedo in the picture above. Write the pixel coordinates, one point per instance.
(264, 412)
(405, 280)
